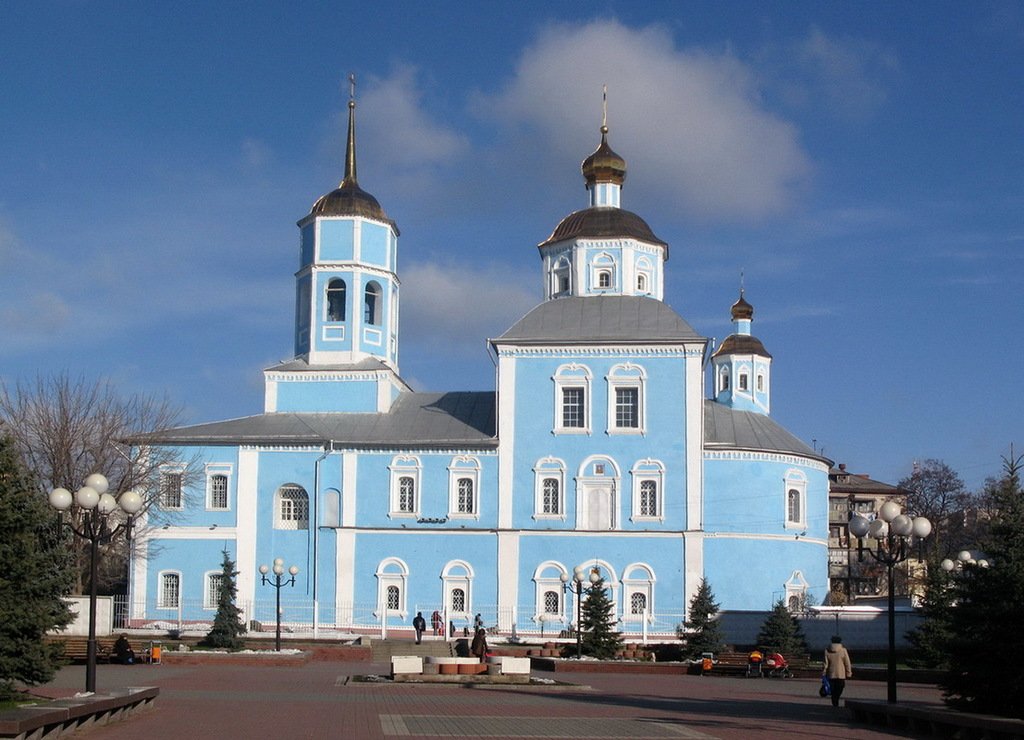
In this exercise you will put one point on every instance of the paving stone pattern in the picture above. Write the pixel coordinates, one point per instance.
(316, 700)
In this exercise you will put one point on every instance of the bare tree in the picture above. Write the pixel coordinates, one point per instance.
(936, 491)
(64, 429)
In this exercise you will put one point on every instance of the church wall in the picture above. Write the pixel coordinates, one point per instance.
(727, 567)
(337, 240)
(327, 395)
(307, 244)
(192, 560)
(664, 441)
(373, 248)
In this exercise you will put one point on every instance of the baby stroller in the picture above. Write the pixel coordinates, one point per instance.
(777, 666)
(754, 661)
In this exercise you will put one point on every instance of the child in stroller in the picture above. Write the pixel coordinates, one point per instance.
(778, 666)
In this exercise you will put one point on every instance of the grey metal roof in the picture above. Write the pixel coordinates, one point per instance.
(583, 320)
(726, 428)
(301, 365)
(415, 420)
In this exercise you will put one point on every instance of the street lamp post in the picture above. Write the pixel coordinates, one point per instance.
(577, 579)
(97, 504)
(893, 531)
(278, 582)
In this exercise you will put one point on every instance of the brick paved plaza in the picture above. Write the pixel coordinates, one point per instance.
(318, 700)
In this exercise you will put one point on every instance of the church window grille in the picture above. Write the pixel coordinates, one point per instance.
(169, 596)
(171, 489)
(572, 399)
(648, 498)
(795, 499)
(214, 586)
(292, 507)
(467, 504)
(552, 497)
(638, 603)
(458, 600)
(793, 505)
(406, 495)
(394, 601)
(626, 385)
(336, 290)
(552, 604)
(218, 491)
(648, 490)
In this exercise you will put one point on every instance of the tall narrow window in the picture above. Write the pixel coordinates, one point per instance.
(793, 505)
(760, 383)
(552, 497)
(394, 600)
(637, 603)
(170, 489)
(170, 591)
(336, 300)
(641, 283)
(218, 492)
(214, 586)
(743, 382)
(648, 498)
(552, 604)
(292, 508)
(627, 408)
(574, 408)
(466, 503)
(458, 600)
(371, 304)
(406, 494)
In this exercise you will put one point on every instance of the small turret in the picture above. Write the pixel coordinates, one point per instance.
(741, 365)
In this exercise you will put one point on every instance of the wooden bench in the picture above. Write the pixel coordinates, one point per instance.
(75, 648)
(735, 664)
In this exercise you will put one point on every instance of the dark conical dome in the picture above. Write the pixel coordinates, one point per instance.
(348, 199)
(741, 309)
(604, 165)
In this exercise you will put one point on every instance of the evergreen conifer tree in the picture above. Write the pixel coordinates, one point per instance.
(782, 631)
(228, 626)
(597, 622)
(987, 646)
(931, 639)
(34, 578)
(701, 631)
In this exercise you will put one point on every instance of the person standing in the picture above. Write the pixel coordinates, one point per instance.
(479, 646)
(436, 622)
(419, 624)
(837, 668)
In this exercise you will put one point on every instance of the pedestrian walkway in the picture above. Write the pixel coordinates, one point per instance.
(320, 700)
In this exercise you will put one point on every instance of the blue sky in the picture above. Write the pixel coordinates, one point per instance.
(860, 162)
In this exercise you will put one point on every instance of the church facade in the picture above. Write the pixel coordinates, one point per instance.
(598, 452)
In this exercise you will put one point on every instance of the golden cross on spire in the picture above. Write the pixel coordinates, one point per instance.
(604, 110)
(351, 86)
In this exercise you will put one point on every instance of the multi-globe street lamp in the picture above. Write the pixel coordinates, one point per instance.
(577, 579)
(278, 582)
(97, 505)
(964, 559)
(893, 531)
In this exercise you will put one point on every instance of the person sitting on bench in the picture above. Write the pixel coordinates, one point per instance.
(123, 652)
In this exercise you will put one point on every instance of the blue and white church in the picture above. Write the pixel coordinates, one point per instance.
(600, 449)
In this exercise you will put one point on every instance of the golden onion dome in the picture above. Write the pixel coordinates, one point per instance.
(742, 310)
(604, 165)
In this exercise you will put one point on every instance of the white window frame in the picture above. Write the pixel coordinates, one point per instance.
(463, 467)
(372, 314)
(327, 299)
(795, 480)
(648, 470)
(639, 578)
(213, 470)
(723, 379)
(548, 467)
(405, 466)
(458, 574)
(644, 276)
(603, 263)
(572, 375)
(796, 588)
(562, 268)
(392, 572)
(598, 471)
(161, 601)
(210, 598)
(165, 472)
(548, 577)
(627, 375)
(292, 523)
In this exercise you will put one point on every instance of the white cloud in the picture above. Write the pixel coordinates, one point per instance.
(847, 71)
(690, 122)
(447, 303)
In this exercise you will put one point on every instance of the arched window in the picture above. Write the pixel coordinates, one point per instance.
(464, 486)
(793, 505)
(458, 600)
(394, 597)
(572, 399)
(562, 277)
(457, 577)
(639, 592)
(371, 304)
(724, 382)
(626, 383)
(648, 498)
(641, 283)
(549, 488)
(549, 594)
(552, 497)
(292, 507)
(406, 494)
(405, 485)
(392, 585)
(648, 478)
(336, 300)
(466, 503)
(213, 587)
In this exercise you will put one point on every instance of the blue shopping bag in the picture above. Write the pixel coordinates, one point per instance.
(826, 687)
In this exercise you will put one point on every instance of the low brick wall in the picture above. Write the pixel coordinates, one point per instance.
(934, 721)
(607, 666)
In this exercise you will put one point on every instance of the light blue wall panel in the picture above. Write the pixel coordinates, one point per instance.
(337, 239)
(740, 586)
(374, 245)
(192, 559)
(314, 395)
(308, 244)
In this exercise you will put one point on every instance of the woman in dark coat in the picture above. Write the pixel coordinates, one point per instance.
(479, 646)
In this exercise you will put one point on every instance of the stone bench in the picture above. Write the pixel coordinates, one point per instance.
(938, 721)
(62, 716)
(500, 669)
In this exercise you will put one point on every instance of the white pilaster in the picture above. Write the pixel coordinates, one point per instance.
(506, 438)
(508, 578)
(344, 568)
(694, 438)
(693, 570)
(245, 540)
(349, 468)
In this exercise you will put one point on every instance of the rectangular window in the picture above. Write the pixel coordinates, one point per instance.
(648, 498)
(170, 591)
(627, 408)
(406, 495)
(743, 381)
(573, 408)
(551, 497)
(465, 503)
(218, 493)
(170, 490)
(214, 584)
